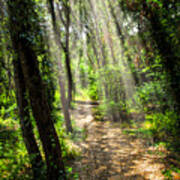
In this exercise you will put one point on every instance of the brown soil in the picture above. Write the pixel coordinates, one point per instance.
(108, 154)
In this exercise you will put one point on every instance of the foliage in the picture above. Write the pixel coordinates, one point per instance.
(171, 173)
(99, 113)
(164, 126)
(93, 86)
(152, 96)
(14, 161)
(125, 55)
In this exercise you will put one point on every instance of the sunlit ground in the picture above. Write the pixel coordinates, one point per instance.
(108, 153)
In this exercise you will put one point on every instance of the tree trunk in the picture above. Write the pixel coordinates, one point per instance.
(69, 75)
(42, 114)
(64, 101)
(64, 45)
(25, 123)
(65, 106)
(67, 52)
(21, 29)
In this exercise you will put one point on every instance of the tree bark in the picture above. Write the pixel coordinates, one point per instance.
(65, 105)
(25, 122)
(21, 29)
(67, 12)
(64, 45)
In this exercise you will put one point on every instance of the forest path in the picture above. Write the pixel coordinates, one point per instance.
(108, 154)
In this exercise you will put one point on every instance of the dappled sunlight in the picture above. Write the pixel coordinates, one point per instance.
(89, 89)
(83, 117)
(107, 153)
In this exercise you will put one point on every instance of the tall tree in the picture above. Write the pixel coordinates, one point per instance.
(25, 122)
(64, 14)
(24, 28)
(59, 43)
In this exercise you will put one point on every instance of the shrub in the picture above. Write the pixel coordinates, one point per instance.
(164, 126)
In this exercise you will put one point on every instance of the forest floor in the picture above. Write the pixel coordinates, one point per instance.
(109, 154)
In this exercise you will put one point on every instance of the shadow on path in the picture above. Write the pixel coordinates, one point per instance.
(108, 154)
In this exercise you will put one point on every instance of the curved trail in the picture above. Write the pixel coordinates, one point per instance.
(108, 154)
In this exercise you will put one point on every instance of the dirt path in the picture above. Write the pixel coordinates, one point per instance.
(108, 154)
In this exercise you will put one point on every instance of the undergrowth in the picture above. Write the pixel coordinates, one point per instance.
(14, 161)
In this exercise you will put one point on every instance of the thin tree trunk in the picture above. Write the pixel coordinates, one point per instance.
(65, 46)
(65, 105)
(69, 75)
(67, 52)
